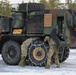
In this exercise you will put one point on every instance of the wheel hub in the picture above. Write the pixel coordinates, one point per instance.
(12, 52)
(38, 53)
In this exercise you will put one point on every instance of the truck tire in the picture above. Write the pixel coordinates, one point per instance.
(63, 54)
(11, 53)
(31, 7)
(37, 53)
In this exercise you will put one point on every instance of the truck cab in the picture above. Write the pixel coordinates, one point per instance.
(35, 22)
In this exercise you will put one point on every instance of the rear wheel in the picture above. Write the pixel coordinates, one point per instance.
(63, 54)
(11, 52)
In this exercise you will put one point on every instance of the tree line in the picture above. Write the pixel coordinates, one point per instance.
(6, 8)
(56, 4)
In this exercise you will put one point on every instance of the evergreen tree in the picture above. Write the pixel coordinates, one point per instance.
(5, 8)
(51, 4)
(54, 4)
(45, 2)
(69, 3)
(31, 1)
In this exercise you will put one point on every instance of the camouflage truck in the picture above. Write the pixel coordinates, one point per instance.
(33, 20)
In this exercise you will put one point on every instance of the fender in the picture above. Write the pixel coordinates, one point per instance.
(54, 37)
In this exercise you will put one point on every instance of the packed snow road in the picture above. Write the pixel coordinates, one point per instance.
(67, 68)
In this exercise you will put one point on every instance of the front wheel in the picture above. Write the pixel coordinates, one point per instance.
(11, 53)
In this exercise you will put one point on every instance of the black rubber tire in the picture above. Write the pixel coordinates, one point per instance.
(11, 53)
(31, 7)
(33, 45)
(63, 54)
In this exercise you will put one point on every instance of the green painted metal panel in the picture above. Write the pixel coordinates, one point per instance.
(47, 31)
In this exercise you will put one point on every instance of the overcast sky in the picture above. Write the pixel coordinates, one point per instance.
(19, 1)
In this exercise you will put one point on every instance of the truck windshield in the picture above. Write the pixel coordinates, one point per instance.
(17, 20)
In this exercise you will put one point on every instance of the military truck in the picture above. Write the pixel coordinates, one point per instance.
(33, 20)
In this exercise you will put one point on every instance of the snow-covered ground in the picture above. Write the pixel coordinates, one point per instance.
(67, 68)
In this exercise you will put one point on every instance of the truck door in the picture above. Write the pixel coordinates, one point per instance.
(6, 24)
(61, 28)
(35, 24)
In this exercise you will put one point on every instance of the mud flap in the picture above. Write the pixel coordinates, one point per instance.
(54, 37)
